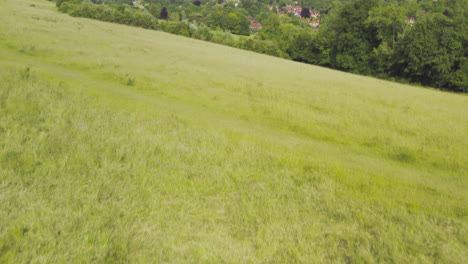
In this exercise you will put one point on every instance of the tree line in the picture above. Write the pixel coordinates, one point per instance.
(424, 42)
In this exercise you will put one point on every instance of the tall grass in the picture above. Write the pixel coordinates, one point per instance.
(119, 144)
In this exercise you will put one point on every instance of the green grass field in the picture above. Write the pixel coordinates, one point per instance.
(119, 144)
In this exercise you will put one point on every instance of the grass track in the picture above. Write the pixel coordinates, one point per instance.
(119, 144)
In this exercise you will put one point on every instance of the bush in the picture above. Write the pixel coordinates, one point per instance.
(200, 32)
(178, 28)
(144, 20)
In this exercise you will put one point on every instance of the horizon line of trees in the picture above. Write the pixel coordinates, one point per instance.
(370, 37)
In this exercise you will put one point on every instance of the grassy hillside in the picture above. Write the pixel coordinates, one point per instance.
(119, 144)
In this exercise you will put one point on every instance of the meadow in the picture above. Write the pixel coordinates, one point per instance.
(125, 145)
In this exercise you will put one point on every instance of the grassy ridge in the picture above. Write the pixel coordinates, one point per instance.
(121, 144)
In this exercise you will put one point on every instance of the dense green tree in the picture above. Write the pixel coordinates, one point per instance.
(164, 14)
(270, 28)
(351, 42)
(143, 19)
(233, 20)
(253, 7)
(389, 21)
(154, 10)
(431, 52)
(311, 48)
(305, 12)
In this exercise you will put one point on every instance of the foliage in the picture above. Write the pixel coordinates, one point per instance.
(233, 20)
(163, 14)
(305, 12)
(430, 50)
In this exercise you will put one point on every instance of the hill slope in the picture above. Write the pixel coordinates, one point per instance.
(120, 144)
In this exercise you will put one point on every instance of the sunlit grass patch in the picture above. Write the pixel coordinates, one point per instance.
(156, 148)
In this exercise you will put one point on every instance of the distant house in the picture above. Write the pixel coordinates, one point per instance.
(296, 10)
(137, 5)
(410, 20)
(254, 25)
(314, 23)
